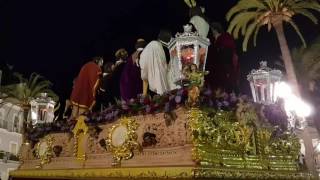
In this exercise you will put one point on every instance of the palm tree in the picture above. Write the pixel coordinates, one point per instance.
(22, 93)
(248, 16)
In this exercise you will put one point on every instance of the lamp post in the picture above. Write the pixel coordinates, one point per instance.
(187, 48)
(42, 110)
(263, 82)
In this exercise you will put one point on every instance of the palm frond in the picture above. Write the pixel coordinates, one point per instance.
(240, 21)
(293, 24)
(311, 4)
(34, 77)
(256, 34)
(248, 34)
(307, 14)
(244, 5)
(268, 12)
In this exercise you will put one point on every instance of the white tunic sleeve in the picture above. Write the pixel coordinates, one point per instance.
(143, 62)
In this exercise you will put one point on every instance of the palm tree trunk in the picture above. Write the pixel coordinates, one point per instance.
(25, 125)
(286, 56)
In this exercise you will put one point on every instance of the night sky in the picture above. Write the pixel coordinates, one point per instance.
(56, 37)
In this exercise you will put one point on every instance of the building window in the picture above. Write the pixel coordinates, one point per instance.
(16, 121)
(13, 148)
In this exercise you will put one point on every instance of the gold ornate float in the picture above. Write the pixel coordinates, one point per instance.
(194, 146)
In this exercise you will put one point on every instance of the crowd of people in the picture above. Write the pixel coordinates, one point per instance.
(145, 71)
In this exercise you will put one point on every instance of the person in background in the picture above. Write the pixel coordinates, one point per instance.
(153, 63)
(105, 95)
(222, 61)
(83, 95)
(121, 58)
(130, 81)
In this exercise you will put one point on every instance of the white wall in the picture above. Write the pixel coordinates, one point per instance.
(10, 137)
(5, 168)
(11, 117)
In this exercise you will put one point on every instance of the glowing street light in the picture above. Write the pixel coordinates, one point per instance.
(292, 102)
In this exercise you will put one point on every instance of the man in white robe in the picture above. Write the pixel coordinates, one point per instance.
(153, 65)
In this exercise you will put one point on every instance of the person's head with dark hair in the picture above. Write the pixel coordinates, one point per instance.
(98, 60)
(215, 26)
(140, 44)
(216, 29)
(121, 54)
(164, 36)
(196, 11)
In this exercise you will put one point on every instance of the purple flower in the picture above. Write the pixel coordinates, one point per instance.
(148, 109)
(225, 103)
(141, 99)
(132, 101)
(207, 92)
(178, 99)
(180, 92)
(219, 104)
(124, 106)
(225, 96)
(233, 97)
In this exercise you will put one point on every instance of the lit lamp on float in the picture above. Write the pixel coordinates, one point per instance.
(267, 87)
(42, 110)
(187, 48)
(263, 82)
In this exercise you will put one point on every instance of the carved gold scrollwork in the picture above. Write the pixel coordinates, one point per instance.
(220, 141)
(44, 151)
(123, 140)
(79, 132)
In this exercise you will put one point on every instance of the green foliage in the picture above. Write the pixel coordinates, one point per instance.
(307, 61)
(247, 16)
(30, 88)
(12, 157)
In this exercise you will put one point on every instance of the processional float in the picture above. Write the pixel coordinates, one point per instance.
(190, 132)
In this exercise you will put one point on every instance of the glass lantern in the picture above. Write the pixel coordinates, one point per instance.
(263, 82)
(187, 48)
(42, 109)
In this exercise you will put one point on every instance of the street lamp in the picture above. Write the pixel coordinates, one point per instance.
(42, 109)
(263, 82)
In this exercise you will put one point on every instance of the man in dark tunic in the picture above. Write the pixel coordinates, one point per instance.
(222, 61)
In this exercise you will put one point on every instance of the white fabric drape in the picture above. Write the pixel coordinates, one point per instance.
(174, 73)
(201, 25)
(154, 67)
